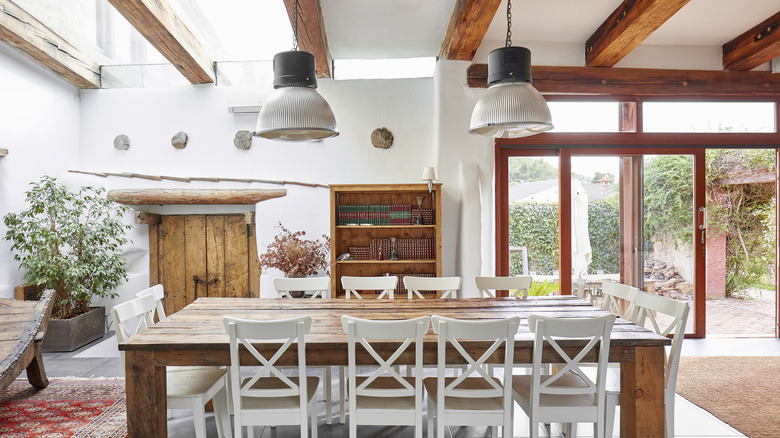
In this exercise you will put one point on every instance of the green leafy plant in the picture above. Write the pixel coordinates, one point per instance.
(70, 242)
(543, 288)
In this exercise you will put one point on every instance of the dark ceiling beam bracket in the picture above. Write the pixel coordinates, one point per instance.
(36, 41)
(640, 81)
(754, 47)
(630, 24)
(469, 23)
(311, 34)
(164, 30)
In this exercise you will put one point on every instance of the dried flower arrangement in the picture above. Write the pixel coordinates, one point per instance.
(294, 256)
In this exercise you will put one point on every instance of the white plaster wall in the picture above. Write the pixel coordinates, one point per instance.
(150, 117)
(39, 125)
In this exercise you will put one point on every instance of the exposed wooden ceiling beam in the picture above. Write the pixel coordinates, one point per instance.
(640, 81)
(468, 24)
(626, 28)
(42, 45)
(311, 33)
(754, 47)
(160, 25)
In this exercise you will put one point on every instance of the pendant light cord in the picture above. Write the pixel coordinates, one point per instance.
(508, 22)
(296, 6)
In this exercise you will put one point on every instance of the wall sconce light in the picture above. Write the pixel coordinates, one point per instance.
(429, 174)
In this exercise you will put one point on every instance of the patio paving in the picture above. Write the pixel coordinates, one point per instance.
(742, 317)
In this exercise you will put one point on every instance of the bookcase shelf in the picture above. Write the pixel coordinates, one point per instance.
(425, 239)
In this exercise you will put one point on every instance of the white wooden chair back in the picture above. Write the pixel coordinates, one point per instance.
(319, 285)
(158, 293)
(447, 285)
(242, 332)
(501, 332)
(132, 317)
(354, 285)
(363, 331)
(550, 332)
(616, 296)
(649, 307)
(517, 286)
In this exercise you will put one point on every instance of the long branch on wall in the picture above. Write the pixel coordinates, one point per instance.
(197, 178)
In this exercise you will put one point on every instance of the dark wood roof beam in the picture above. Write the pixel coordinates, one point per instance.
(630, 24)
(311, 33)
(468, 25)
(640, 81)
(164, 30)
(754, 47)
(39, 43)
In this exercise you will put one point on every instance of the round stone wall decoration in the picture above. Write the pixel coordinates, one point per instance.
(179, 141)
(243, 140)
(121, 142)
(382, 138)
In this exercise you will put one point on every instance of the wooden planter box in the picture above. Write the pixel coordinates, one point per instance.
(70, 334)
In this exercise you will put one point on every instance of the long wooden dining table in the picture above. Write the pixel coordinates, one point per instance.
(195, 336)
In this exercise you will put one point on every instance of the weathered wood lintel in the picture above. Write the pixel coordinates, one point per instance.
(36, 41)
(164, 30)
(640, 81)
(194, 196)
(143, 217)
(754, 47)
(468, 24)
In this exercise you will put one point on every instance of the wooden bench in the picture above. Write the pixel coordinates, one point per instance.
(21, 332)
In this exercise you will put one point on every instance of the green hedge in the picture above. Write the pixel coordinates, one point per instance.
(535, 225)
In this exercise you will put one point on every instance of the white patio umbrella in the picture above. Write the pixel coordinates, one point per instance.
(581, 252)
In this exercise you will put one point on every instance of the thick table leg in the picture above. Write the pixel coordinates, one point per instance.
(36, 373)
(146, 396)
(642, 394)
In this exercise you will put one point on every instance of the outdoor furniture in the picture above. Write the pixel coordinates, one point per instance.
(184, 388)
(195, 336)
(384, 397)
(489, 285)
(21, 333)
(269, 397)
(447, 285)
(474, 398)
(568, 396)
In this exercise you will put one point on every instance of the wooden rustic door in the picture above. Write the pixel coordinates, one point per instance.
(196, 256)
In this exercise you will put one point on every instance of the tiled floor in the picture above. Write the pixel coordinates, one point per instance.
(101, 359)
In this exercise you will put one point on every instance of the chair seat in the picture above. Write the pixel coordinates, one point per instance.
(521, 385)
(464, 403)
(192, 382)
(265, 403)
(384, 403)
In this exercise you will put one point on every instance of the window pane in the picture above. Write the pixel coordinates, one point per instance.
(585, 116)
(708, 116)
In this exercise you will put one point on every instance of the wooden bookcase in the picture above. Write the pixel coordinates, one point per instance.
(355, 235)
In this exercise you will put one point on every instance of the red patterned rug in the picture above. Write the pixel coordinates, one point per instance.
(66, 408)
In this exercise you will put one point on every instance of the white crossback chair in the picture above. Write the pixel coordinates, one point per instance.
(666, 317)
(355, 285)
(158, 294)
(517, 286)
(270, 397)
(318, 285)
(570, 395)
(618, 298)
(187, 387)
(447, 285)
(474, 398)
(384, 397)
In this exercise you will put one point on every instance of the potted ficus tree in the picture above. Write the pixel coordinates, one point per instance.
(71, 242)
(295, 256)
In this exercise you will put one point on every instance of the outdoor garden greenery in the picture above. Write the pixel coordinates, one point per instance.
(70, 242)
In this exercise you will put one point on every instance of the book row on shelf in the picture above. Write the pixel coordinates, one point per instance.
(381, 214)
(381, 249)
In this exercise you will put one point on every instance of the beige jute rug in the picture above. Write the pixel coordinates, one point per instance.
(743, 391)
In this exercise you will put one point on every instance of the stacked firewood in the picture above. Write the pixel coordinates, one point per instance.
(663, 279)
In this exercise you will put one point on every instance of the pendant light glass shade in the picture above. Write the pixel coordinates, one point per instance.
(295, 111)
(511, 107)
